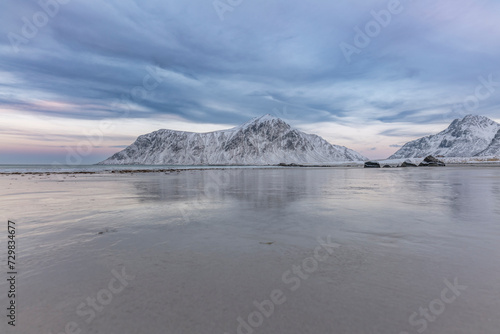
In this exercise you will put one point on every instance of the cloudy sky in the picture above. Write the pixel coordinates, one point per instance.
(80, 80)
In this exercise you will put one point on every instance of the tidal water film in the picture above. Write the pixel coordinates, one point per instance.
(290, 250)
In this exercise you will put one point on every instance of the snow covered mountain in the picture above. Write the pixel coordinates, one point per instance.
(266, 140)
(493, 149)
(471, 136)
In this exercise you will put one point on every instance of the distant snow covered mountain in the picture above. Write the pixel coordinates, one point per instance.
(266, 140)
(468, 137)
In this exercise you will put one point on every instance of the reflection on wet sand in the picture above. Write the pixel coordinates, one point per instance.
(204, 245)
(262, 188)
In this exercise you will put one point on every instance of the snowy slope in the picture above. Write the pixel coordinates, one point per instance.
(493, 149)
(473, 135)
(261, 141)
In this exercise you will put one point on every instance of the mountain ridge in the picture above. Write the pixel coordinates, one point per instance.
(471, 136)
(265, 140)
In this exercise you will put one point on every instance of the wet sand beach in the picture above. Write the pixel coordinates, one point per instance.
(288, 250)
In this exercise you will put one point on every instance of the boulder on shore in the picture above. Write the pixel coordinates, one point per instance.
(372, 164)
(408, 164)
(282, 164)
(430, 161)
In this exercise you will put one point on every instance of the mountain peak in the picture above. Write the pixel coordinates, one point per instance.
(465, 137)
(265, 140)
(475, 123)
(475, 119)
(265, 118)
(472, 116)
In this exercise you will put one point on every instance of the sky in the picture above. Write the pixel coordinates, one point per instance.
(80, 80)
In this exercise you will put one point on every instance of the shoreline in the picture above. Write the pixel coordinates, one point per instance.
(179, 170)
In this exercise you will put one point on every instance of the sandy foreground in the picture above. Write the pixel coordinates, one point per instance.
(255, 251)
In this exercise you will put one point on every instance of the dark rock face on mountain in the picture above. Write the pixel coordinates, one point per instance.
(468, 137)
(262, 141)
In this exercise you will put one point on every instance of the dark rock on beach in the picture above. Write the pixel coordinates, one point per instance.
(372, 164)
(430, 161)
(408, 164)
(289, 165)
